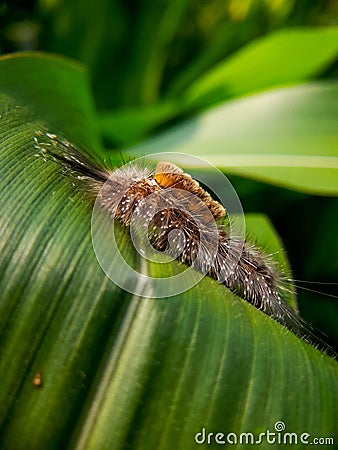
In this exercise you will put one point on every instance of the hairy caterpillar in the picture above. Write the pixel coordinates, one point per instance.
(242, 268)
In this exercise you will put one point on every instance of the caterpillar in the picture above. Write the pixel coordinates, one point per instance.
(178, 210)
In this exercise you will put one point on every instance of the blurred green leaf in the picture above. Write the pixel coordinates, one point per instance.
(156, 26)
(286, 137)
(54, 88)
(283, 57)
(324, 238)
(119, 371)
(67, 20)
(106, 38)
(126, 126)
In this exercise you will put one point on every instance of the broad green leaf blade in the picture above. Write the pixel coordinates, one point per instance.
(283, 57)
(56, 304)
(286, 137)
(54, 88)
(206, 359)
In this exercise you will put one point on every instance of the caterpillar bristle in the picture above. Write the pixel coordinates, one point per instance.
(174, 224)
(75, 164)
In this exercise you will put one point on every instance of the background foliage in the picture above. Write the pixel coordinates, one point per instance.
(162, 69)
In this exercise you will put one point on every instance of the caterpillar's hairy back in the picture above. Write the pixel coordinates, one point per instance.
(242, 268)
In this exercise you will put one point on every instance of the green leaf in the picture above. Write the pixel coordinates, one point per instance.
(283, 57)
(54, 88)
(206, 359)
(126, 126)
(119, 371)
(286, 137)
(156, 25)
